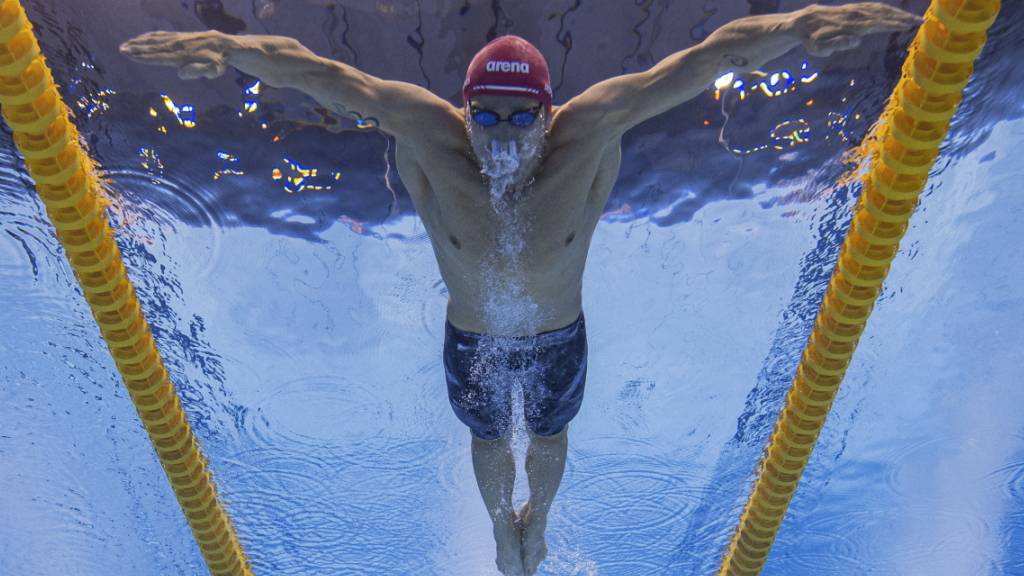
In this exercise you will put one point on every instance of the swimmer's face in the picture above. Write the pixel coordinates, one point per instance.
(505, 150)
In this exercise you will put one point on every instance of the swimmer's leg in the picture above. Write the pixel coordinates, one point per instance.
(545, 464)
(495, 468)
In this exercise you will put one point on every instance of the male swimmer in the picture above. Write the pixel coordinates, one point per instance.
(510, 188)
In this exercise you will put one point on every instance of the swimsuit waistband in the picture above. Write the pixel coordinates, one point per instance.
(555, 336)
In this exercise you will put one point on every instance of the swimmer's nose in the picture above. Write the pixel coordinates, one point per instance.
(504, 132)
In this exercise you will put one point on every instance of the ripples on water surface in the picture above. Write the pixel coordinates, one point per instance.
(301, 316)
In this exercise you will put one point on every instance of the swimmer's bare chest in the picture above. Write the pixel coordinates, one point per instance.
(558, 214)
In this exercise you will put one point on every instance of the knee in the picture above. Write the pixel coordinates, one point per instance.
(496, 440)
(557, 437)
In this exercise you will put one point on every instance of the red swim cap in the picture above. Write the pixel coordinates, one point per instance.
(509, 66)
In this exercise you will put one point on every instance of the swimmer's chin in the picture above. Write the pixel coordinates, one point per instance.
(523, 175)
(508, 181)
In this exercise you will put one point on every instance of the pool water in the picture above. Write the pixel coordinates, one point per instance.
(301, 313)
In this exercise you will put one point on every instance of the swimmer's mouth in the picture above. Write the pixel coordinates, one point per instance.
(504, 148)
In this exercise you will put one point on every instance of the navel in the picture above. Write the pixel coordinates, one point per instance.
(571, 236)
(455, 242)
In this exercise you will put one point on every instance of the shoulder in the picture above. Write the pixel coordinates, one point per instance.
(437, 153)
(579, 127)
(438, 126)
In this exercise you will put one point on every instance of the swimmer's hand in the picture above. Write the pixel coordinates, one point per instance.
(398, 108)
(828, 29)
(194, 54)
(606, 110)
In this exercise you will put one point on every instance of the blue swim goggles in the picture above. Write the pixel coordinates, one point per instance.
(520, 118)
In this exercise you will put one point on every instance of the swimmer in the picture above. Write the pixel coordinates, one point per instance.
(509, 151)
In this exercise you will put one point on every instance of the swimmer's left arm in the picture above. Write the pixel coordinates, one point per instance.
(619, 103)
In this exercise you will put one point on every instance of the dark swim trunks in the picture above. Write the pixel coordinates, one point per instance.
(481, 371)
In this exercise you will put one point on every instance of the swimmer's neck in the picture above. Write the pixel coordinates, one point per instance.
(515, 188)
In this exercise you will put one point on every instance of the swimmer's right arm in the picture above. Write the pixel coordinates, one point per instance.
(398, 108)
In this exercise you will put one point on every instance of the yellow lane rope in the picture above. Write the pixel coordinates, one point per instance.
(914, 124)
(66, 181)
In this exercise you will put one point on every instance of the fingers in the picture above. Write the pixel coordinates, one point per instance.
(820, 50)
(148, 40)
(841, 43)
(200, 70)
(880, 17)
(894, 25)
(192, 53)
(843, 27)
(203, 65)
(164, 47)
(153, 48)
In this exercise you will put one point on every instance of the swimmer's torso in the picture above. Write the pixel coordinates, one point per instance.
(560, 211)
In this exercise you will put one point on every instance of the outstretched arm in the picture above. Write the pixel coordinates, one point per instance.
(398, 108)
(609, 108)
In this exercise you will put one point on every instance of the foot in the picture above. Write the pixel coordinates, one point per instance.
(535, 549)
(508, 537)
